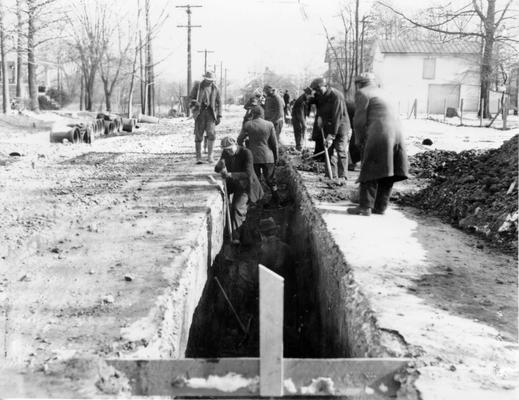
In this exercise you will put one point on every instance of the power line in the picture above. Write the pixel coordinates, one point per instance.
(205, 51)
(188, 8)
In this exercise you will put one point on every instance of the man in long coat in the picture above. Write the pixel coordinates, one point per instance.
(236, 166)
(300, 110)
(274, 111)
(207, 112)
(333, 122)
(264, 147)
(378, 134)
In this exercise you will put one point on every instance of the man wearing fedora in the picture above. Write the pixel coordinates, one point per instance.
(207, 113)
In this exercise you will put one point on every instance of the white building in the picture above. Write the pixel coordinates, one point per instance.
(433, 74)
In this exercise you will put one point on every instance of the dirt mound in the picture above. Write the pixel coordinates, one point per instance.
(475, 190)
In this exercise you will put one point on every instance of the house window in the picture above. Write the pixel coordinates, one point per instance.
(429, 68)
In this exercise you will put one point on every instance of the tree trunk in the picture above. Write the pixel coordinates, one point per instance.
(141, 74)
(19, 49)
(108, 96)
(132, 84)
(150, 84)
(357, 37)
(5, 80)
(31, 61)
(81, 92)
(486, 62)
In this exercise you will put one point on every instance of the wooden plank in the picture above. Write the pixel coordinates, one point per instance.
(357, 378)
(271, 332)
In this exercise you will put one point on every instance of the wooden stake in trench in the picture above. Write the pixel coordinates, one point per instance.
(356, 378)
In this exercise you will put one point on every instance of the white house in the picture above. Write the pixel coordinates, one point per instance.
(433, 74)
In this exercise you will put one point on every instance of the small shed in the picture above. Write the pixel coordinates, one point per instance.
(435, 74)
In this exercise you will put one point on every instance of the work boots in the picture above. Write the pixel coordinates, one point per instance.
(210, 146)
(198, 147)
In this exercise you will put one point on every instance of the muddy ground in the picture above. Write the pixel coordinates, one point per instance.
(83, 231)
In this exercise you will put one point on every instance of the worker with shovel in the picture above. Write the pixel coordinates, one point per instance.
(236, 166)
(301, 110)
(334, 125)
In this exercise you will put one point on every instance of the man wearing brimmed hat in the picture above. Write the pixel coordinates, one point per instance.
(383, 156)
(274, 108)
(236, 166)
(301, 110)
(333, 123)
(262, 142)
(206, 106)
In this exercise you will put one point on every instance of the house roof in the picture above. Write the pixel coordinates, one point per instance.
(407, 46)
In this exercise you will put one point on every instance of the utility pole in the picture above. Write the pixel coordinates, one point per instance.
(188, 26)
(225, 89)
(221, 76)
(205, 51)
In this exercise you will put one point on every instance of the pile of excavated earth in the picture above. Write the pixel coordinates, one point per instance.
(474, 190)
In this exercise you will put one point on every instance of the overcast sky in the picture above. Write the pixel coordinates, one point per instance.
(249, 35)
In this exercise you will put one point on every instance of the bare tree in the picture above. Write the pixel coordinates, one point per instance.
(41, 16)
(19, 48)
(5, 80)
(457, 22)
(86, 25)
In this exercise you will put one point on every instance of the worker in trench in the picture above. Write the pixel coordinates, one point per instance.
(378, 134)
(236, 166)
(333, 123)
(206, 110)
(262, 142)
(301, 110)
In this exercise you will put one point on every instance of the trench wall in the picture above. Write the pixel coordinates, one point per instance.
(348, 325)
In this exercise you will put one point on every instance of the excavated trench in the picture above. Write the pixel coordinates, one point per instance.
(324, 317)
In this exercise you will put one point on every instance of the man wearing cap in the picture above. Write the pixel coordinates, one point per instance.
(264, 147)
(274, 105)
(379, 136)
(300, 110)
(206, 105)
(333, 122)
(236, 166)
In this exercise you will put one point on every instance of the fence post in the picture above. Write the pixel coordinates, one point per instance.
(415, 107)
(444, 108)
(481, 112)
(461, 112)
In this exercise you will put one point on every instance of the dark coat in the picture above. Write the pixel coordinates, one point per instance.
(352, 146)
(262, 140)
(274, 107)
(378, 134)
(215, 103)
(300, 109)
(243, 178)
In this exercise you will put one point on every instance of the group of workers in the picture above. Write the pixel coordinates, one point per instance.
(367, 130)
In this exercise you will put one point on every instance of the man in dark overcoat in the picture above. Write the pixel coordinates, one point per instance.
(352, 147)
(236, 166)
(264, 147)
(378, 134)
(274, 105)
(206, 108)
(300, 110)
(286, 100)
(333, 121)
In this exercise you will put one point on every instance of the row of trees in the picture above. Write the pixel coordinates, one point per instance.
(93, 44)
(493, 23)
